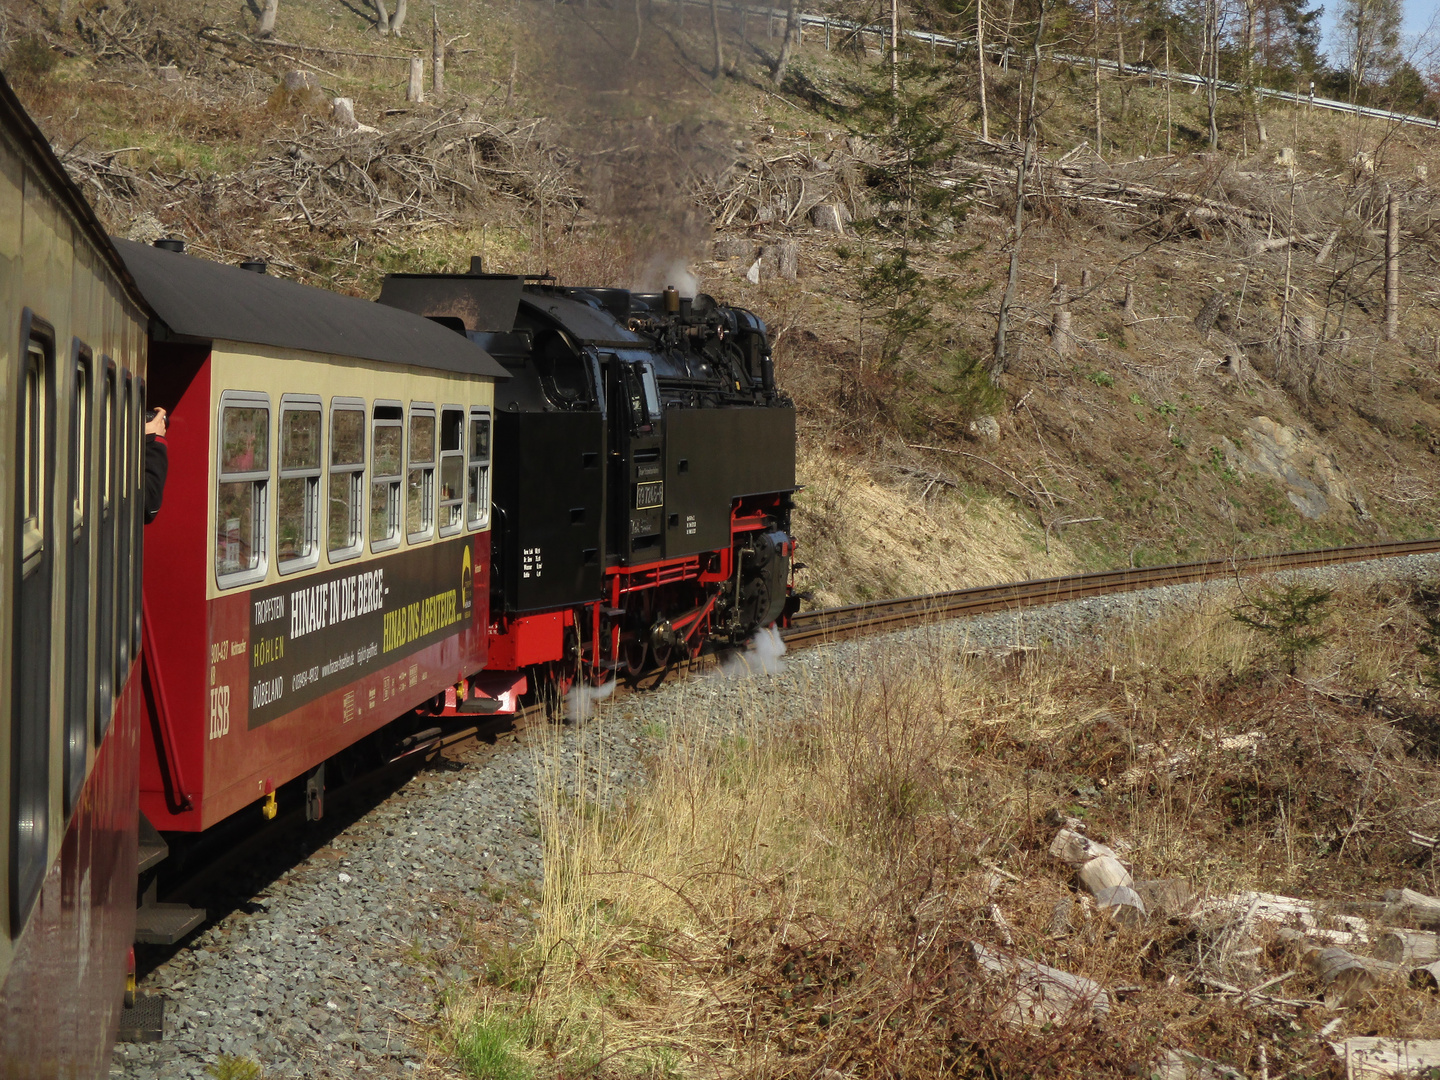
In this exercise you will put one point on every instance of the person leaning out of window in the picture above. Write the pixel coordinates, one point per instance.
(157, 462)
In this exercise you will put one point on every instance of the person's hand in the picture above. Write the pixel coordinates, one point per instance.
(158, 424)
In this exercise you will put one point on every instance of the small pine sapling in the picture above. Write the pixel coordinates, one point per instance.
(1291, 617)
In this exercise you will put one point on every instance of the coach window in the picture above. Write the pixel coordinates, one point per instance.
(242, 495)
(346, 521)
(420, 481)
(386, 470)
(452, 470)
(297, 493)
(477, 493)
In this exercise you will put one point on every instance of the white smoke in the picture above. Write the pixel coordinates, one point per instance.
(761, 656)
(580, 699)
(659, 274)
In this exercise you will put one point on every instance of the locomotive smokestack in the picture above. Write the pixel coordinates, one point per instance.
(672, 300)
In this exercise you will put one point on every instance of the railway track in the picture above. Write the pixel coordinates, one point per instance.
(856, 619)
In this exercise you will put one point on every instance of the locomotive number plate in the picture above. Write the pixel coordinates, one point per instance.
(649, 495)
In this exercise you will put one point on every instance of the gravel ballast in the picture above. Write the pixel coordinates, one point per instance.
(336, 966)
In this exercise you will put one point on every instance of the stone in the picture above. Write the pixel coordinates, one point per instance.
(985, 429)
(169, 73)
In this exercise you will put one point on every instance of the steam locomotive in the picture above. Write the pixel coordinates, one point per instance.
(482, 489)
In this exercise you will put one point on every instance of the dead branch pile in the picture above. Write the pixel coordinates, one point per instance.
(321, 184)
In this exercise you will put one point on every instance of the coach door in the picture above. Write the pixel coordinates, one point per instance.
(30, 734)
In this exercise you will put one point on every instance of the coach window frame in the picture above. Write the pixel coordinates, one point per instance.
(354, 474)
(33, 622)
(79, 678)
(454, 506)
(425, 467)
(137, 520)
(259, 481)
(126, 586)
(477, 490)
(107, 511)
(393, 482)
(308, 475)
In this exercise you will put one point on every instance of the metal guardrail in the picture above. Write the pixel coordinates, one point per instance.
(936, 41)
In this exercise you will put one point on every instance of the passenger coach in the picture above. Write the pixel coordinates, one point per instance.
(72, 341)
(321, 564)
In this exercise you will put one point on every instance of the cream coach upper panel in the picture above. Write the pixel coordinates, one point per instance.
(275, 372)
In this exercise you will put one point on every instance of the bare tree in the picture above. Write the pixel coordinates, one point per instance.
(980, 66)
(639, 25)
(894, 46)
(1099, 146)
(1211, 64)
(1002, 325)
(1369, 35)
(437, 54)
(382, 18)
(267, 19)
(787, 44)
(399, 18)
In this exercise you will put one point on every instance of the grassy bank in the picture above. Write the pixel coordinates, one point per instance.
(800, 893)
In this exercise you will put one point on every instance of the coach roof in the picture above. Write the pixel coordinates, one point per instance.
(197, 298)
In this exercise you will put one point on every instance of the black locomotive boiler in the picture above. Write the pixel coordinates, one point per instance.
(650, 463)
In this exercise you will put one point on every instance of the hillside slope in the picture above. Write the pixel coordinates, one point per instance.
(600, 145)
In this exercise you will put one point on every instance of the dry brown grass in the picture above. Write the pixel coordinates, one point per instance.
(801, 891)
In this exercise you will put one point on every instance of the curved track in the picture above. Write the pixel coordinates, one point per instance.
(856, 619)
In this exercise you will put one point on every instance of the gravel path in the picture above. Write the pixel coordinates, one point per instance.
(335, 967)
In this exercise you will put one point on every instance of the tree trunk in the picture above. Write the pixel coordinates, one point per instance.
(792, 25)
(514, 68)
(415, 89)
(980, 66)
(267, 19)
(895, 46)
(1002, 358)
(715, 31)
(1392, 268)
(437, 54)
(1168, 126)
(1099, 149)
(1212, 33)
(382, 18)
(1416, 909)
(399, 20)
(635, 50)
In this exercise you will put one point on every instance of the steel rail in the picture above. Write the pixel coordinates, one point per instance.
(854, 619)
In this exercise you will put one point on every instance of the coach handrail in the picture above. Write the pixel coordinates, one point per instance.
(162, 710)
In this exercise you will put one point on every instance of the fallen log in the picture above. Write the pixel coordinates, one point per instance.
(1413, 948)
(1405, 907)
(1344, 975)
(1040, 994)
(1368, 1058)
